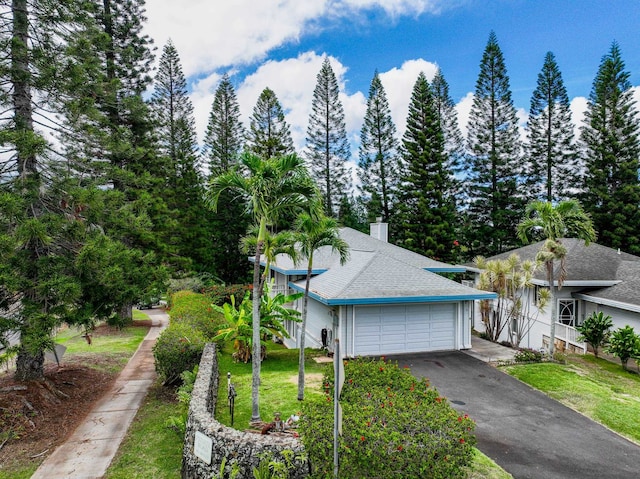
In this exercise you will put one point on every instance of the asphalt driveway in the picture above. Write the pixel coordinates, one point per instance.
(526, 432)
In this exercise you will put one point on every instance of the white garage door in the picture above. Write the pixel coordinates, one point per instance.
(404, 328)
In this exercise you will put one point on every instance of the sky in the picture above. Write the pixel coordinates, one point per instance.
(281, 44)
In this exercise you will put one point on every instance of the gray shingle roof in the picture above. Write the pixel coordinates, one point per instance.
(594, 264)
(375, 277)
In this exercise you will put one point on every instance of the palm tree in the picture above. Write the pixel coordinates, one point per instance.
(271, 189)
(282, 242)
(314, 231)
(544, 220)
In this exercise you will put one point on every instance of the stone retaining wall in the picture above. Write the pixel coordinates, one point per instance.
(207, 442)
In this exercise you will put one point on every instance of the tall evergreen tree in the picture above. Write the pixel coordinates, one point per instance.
(222, 146)
(494, 166)
(378, 162)
(42, 216)
(448, 116)
(110, 134)
(177, 143)
(327, 148)
(427, 209)
(552, 154)
(612, 153)
(224, 137)
(269, 135)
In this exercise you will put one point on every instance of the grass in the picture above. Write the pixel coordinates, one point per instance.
(117, 346)
(597, 388)
(484, 467)
(150, 449)
(278, 389)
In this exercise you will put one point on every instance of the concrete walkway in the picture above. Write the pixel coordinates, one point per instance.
(88, 452)
(488, 351)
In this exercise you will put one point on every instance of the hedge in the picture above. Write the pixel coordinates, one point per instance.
(195, 309)
(178, 348)
(394, 426)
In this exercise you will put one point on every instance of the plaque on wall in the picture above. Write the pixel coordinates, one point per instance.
(202, 447)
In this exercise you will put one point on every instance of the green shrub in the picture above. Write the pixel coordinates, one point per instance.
(526, 355)
(196, 310)
(625, 344)
(179, 423)
(394, 426)
(191, 283)
(596, 330)
(220, 294)
(178, 348)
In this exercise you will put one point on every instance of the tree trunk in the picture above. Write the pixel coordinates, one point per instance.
(554, 308)
(256, 353)
(29, 366)
(303, 333)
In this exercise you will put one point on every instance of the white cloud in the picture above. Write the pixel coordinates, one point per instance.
(578, 108)
(463, 107)
(398, 84)
(211, 35)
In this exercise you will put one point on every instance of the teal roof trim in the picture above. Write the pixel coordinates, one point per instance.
(394, 300)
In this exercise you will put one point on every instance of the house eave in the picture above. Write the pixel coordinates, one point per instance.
(579, 283)
(608, 302)
(394, 299)
(447, 269)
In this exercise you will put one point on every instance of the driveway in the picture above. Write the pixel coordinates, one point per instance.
(527, 433)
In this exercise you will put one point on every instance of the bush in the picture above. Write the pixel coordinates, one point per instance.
(220, 294)
(178, 348)
(625, 344)
(595, 330)
(195, 309)
(192, 283)
(526, 355)
(394, 426)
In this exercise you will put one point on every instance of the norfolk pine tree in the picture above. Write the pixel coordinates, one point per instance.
(427, 208)
(612, 156)
(378, 154)
(327, 149)
(269, 135)
(110, 134)
(448, 116)
(223, 142)
(552, 155)
(494, 164)
(183, 190)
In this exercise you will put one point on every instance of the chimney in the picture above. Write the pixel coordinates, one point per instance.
(379, 230)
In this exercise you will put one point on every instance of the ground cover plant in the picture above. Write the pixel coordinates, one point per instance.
(35, 420)
(595, 387)
(394, 426)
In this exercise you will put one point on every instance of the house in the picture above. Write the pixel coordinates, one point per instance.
(384, 300)
(598, 278)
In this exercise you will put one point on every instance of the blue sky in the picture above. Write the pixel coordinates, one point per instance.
(281, 44)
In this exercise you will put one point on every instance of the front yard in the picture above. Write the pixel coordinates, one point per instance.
(597, 388)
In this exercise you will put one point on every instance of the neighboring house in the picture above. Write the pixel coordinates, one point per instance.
(598, 279)
(384, 300)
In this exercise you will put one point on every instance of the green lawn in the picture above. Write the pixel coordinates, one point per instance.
(150, 450)
(279, 384)
(597, 388)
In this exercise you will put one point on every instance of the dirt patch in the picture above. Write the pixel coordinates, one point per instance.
(310, 379)
(37, 416)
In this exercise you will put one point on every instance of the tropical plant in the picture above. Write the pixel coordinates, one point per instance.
(511, 280)
(595, 330)
(271, 187)
(312, 233)
(238, 327)
(624, 344)
(554, 222)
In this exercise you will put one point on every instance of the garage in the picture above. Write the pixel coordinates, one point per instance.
(393, 329)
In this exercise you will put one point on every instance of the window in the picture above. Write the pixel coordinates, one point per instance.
(567, 312)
